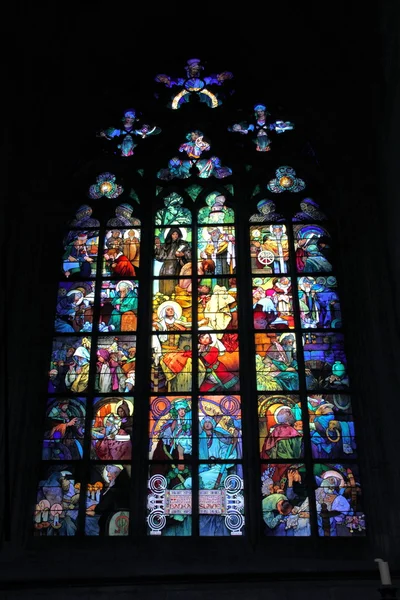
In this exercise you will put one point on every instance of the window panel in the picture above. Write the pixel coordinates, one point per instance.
(172, 364)
(112, 428)
(116, 359)
(169, 501)
(170, 433)
(119, 305)
(272, 303)
(69, 364)
(87, 439)
(280, 427)
(64, 429)
(316, 423)
(74, 309)
(338, 500)
(221, 499)
(57, 501)
(285, 503)
(107, 500)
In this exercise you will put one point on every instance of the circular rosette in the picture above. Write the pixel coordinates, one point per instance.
(234, 521)
(233, 484)
(157, 484)
(156, 520)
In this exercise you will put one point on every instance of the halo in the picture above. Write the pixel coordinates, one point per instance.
(116, 418)
(341, 404)
(128, 402)
(105, 474)
(277, 225)
(177, 308)
(334, 474)
(301, 281)
(284, 334)
(278, 410)
(135, 231)
(307, 231)
(129, 283)
(183, 230)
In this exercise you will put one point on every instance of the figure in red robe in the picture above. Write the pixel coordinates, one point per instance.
(217, 377)
(120, 264)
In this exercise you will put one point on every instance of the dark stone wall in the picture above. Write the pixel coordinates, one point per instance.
(340, 80)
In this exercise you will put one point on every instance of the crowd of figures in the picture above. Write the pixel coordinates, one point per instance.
(195, 329)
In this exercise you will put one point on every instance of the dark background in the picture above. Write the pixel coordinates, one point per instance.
(334, 68)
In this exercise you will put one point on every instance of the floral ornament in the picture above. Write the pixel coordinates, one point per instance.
(105, 186)
(286, 181)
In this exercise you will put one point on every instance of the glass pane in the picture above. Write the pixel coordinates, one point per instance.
(172, 254)
(80, 255)
(313, 249)
(169, 500)
(319, 302)
(57, 502)
(285, 505)
(269, 249)
(107, 500)
(170, 428)
(339, 500)
(118, 306)
(116, 361)
(74, 310)
(112, 428)
(171, 369)
(216, 211)
(331, 426)
(221, 500)
(281, 427)
(121, 253)
(325, 361)
(172, 304)
(123, 215)
(84, 219)
(217, 305)
(173, 213)
(272, 303)
(220, 428)
(69, 365)
(216, 251)
(64, 429)
(218, 361)
(276, 361)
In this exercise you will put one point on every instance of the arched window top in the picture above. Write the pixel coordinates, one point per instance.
(241, 323)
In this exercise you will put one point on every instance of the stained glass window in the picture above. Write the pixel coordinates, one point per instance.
(84, 486)
(195, 441)
(239, 317)
(309, 480)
